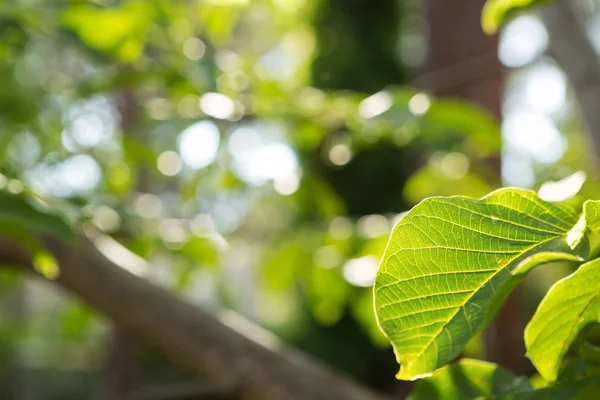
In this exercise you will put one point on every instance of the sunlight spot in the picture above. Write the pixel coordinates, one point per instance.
(340, 154)
(169, 163)
(534, 135)
(286, 185)
(521, 41)
(217, 105)
(564, 189)
(376, 104)
(455, 165)
(419, 104)
(340, 228)
(372, 226)
(15, 186)
(517, 171)
(80, 173)
(194, 48)
(361, 271)
(24, 149)
(148, 206)
(545, 88)
(76, 174)
(89, 123)
(173, 231)
(106, 219)
(202, 225)
(272, 161)
(244, 139)
(198, 144)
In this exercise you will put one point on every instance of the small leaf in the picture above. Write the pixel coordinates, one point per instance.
(495, 12)
(451, 262)
(46, 264)
(469, 379)
(570, 305)
(18, 208)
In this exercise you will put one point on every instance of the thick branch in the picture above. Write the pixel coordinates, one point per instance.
(573, 51)
(189, 336)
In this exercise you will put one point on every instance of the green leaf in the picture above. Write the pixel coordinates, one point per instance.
(45, 263)
(451, 262)
(570, 305)
(120, 31)
(591, 213)
(495, 12)
(468, 379)
(20, 209)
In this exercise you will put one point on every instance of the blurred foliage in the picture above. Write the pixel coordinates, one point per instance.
(257, 153)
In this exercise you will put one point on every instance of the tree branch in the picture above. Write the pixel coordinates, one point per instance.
(190, 337)
(574, 53)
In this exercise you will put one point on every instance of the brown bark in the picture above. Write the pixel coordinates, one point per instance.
(462, 62)
(190, 337)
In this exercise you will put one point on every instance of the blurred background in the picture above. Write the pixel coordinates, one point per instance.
(257, 154)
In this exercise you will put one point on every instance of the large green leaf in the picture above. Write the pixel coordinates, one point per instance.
(495, 12)
(570, 305)
(451, 262)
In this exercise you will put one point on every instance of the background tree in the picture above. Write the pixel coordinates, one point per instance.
(247, 156)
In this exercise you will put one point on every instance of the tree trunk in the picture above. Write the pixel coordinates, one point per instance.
(189, 336)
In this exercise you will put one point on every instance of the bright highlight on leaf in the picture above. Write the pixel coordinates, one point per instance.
(451, 262)
(570, 305)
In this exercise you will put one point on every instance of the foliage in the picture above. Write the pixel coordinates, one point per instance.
(451, 262)
(95, 92)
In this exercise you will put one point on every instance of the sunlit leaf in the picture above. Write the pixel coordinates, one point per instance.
(569, 306)
(451, 262)
(495, 12)
(46, 264)
(119, 31)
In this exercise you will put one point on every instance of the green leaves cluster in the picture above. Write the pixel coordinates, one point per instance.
(451, 262)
